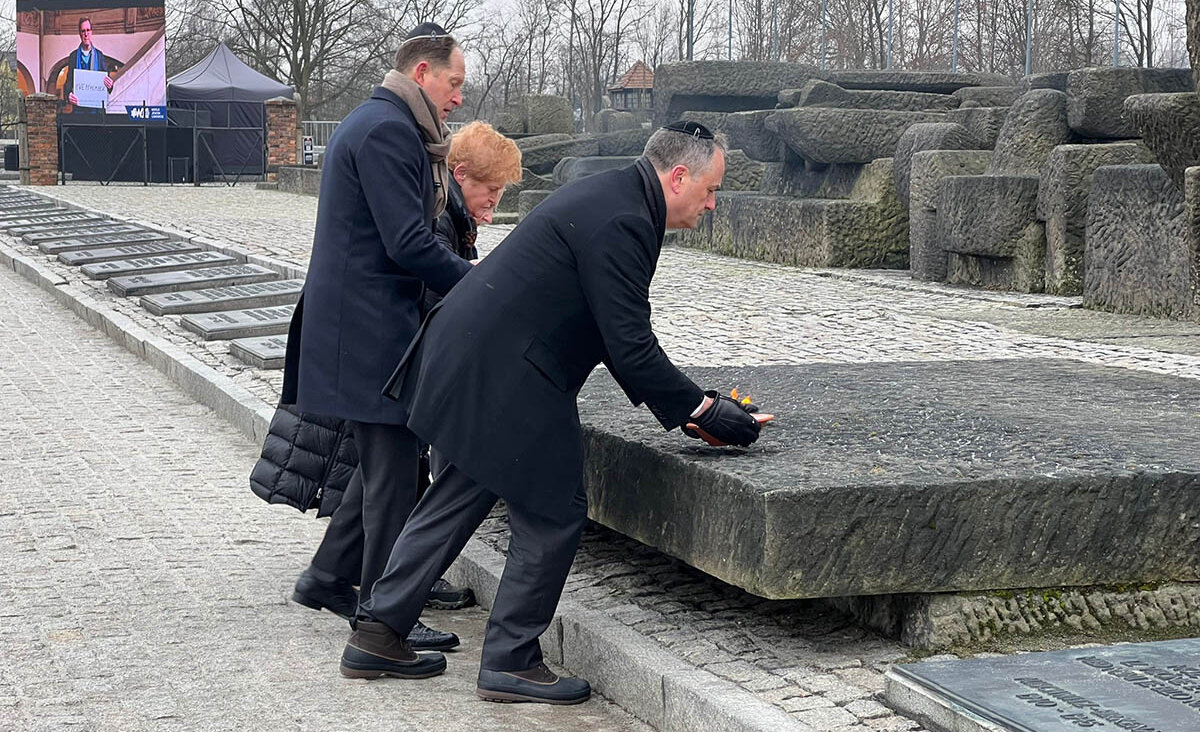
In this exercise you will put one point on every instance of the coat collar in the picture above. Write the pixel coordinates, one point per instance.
(652, 187)
(388, 95)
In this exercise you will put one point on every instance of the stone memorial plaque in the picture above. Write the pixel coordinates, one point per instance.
(165, 263)
(25, 210)
(49, 221)
(58, 246)
(240, 323)
(21, 227)
(84, 231)
(261, 295)
(1151, 687)
(133, 251)
(189, 279)
(23, 199)
(266, 352)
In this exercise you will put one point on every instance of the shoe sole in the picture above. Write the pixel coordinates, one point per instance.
(309, 602)
(505, 697)
(351, 672)
(444, 605)
(439, 647)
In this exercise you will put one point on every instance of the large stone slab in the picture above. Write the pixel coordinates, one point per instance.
(988, 96)
(747, 131)
(81, 257)
(867, 230)
(1169, 125)
(265, 352)
(1097, 97)
(742, 173)
(723, 86)
(1063, 202)
(932, 82)
(817, 93)
(1033, 127)
(530, 181)
(190, 279)
(824, 135)
(927, 258)
(926, 136)
(623, 143)
(1153, 687)
(541, 159)
(231, 324)
(528, 200)
(233, 297)
(983, 123)
(569, 169)
(76, 242)
(164, 263)
(21, 226)
(914, 477)
(25, 210)
(988, 226)
(1140, 252)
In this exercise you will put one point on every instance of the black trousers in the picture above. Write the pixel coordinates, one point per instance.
(540, 552)
(379, 499)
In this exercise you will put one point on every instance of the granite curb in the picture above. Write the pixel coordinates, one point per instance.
(624, 666)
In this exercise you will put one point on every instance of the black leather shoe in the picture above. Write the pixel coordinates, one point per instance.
(424, 638)
(538, 684)
(445, 596)
(374, 651)
(321, 590)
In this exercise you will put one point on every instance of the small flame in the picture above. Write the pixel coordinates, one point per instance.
(733, 394)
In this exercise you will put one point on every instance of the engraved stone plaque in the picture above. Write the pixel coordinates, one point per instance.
(1151, 687)
(261, 295)
(83, 231)
(26, 210)
(73, 243)
(165, 263)
(189, 279)
(266, 352)
(240, 323)
(49, 221)
(21, 227)
(132, 251)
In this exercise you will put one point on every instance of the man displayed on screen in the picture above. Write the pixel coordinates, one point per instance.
(86, 58)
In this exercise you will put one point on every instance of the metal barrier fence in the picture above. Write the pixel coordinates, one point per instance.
(321, 130)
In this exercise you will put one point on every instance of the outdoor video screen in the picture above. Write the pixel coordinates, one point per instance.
(95, 56)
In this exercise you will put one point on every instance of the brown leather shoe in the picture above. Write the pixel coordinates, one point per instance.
(374, 650)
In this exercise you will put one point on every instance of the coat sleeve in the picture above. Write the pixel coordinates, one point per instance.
(391, 166)
(615, 269)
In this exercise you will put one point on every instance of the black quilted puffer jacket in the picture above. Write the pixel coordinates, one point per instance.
(306, 462)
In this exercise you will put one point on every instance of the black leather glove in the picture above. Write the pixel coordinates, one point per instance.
(725, 422)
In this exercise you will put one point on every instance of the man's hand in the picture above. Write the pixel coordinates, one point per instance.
(108, 82)
(73, 99)
(723, 422)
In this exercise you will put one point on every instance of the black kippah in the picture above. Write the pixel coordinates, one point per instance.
(693, 129)
(426, 30)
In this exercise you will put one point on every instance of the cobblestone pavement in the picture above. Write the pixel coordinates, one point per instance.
(143, 586)
(708, 311)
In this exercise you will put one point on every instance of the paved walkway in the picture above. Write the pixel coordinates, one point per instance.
(709, 310)
(142, 585)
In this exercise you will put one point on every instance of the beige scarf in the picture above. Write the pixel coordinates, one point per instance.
(433, 130)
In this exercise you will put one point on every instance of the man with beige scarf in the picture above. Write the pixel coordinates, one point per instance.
(374, 254)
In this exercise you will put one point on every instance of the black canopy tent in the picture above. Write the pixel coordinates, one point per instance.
(222, 99)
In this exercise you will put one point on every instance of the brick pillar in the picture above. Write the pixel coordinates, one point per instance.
(38, 132)
(283, 134)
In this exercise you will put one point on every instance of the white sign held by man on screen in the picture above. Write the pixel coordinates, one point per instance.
(89, 88)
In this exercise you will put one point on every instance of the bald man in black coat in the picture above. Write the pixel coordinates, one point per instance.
(491, 382)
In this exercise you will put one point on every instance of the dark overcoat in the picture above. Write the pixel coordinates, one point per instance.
(492, 379)
(373, 254)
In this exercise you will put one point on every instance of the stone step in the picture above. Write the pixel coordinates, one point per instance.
(84, 231)
(73, 244)
(148, 265)
(190, 279)
(231, 324)
(891, 478)
(266, 352)
(260, 295)
(133, 251)
(25, 210)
